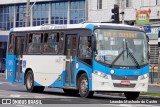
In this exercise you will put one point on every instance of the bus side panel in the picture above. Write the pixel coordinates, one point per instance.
(60, 81)
(83, 67)
(46, 69)
(11, 68)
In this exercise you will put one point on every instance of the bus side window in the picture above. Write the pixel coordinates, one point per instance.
(51, 43)
(30, 43)
(35, 43)
(30, 38)
(84, 52)
(61, 43)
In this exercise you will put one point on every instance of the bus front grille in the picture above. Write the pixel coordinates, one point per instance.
(124, 77)
(124, 86)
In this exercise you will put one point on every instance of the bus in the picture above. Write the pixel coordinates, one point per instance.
(79, 58)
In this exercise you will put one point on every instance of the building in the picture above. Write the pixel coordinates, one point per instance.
(100, 11)
(13, 14)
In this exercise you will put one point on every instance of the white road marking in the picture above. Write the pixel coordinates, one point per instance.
(15, 95)
(23, 106)
(130, 105)
(144, 105)
(4, 83)
(126, 105)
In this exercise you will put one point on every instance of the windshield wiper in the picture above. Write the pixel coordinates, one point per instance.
(117, 58)
(132, 56)
(119, 55)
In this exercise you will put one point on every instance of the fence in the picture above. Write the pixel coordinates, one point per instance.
(2, 65)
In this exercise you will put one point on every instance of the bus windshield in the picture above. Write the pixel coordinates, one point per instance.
(121, 48)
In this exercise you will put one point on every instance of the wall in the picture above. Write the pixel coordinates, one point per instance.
(104, 15)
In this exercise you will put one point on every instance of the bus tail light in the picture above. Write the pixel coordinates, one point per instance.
(103, 75)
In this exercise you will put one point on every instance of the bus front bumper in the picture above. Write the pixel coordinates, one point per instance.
(103, 84)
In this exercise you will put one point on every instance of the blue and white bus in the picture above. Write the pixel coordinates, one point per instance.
(57, 56)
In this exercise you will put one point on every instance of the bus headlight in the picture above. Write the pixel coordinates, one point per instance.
(144, 76)
(112, 71)
(103, 75)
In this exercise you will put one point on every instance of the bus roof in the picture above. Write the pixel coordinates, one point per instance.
(71, 26)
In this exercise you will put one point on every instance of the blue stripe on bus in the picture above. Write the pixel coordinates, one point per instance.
(11, 68)
(131, 72)
(59, 83)
(88, 70)
(90, 26)
(82, 67)
(37, 84)
(23, 78)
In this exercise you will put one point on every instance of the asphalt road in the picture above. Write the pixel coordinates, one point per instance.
(60, 99)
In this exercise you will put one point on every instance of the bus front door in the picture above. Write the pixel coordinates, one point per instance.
(19, 46)
(71, 48)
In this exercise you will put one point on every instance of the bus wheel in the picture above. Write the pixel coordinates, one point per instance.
(84, 87)
(131, 95)
(30, 82)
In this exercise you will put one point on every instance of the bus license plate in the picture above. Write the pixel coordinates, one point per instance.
(126, 83)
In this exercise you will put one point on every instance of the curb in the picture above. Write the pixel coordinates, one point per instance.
(154, 85)
(149, 97)
(122, 95)
(3, 75)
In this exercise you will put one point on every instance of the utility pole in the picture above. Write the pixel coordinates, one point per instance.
(122, 12)
(27, 13)
(159, 57)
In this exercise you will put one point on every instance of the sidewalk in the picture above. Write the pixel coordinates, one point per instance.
(154, 85)
(122, 95)
(2, 75)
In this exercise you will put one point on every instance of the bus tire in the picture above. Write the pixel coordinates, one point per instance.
(29, 79)
(131, 95)
(84, 86)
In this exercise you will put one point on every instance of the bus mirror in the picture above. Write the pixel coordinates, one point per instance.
(148, 55)
(93, 45)
(147, 38)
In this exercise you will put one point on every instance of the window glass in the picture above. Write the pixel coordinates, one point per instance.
(6, 17)
(128, 3)
(77, 11)
(35, 43)
(20, 15)
(84, 47)
(52, 43)
(40, 14)
(158, 2)
(59, 12)
(99, 4)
